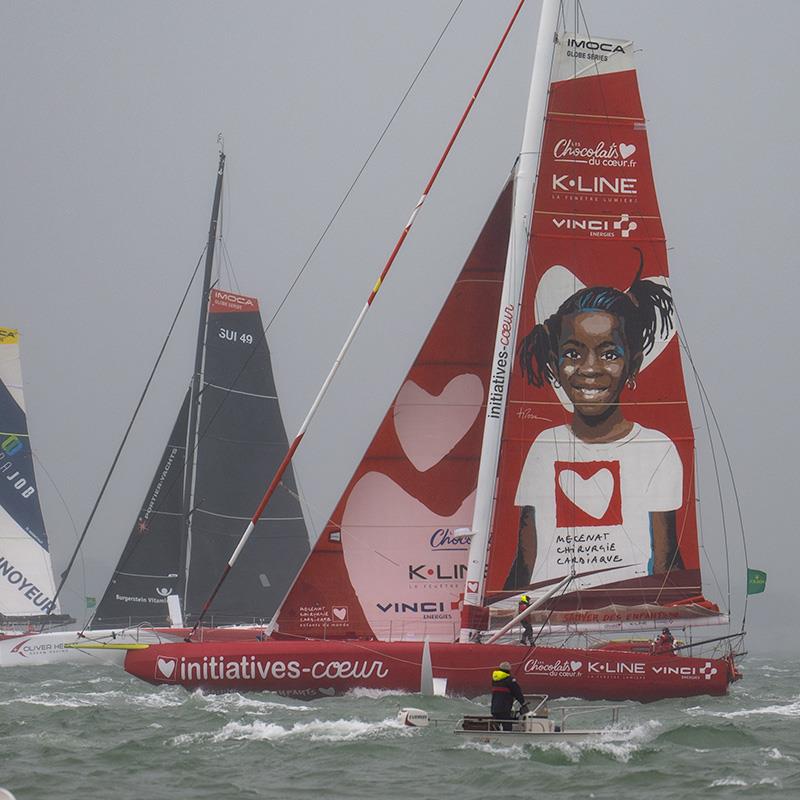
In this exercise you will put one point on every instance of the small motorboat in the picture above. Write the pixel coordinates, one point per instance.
(537, 724)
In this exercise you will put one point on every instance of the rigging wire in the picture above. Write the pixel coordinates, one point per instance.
(228, 261)
(532, 646)
(69, 515)
(707, 402)
(700, 526)
(65, 573)
(705, 410)
(224, 259)
(364, 165)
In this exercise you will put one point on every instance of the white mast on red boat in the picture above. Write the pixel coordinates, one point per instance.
(524, 187)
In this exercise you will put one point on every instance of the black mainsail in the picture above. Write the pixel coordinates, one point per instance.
(241, 438)
(149, 567)
(228, 434)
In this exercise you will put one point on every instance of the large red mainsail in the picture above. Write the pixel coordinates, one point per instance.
(596, 469)
(391, 561)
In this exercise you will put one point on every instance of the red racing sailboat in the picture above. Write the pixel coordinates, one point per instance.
(536, 467)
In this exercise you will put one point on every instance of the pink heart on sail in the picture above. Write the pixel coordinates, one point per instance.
(166, 666)
(406, 572)
(340, 612)
(592, 495)
(472, 586)
(626, 150)
(430, 426)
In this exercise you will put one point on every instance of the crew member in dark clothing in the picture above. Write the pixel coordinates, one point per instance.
(505, 690)
(527, 628)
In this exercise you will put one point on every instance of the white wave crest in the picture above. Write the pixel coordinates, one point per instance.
(376, 694)
(168, 698)
(786, 710)
(514, 752)
(225, 703)
(773, 754)
(732, 781)
(340, 730)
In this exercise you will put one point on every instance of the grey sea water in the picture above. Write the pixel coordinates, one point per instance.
(72, 732)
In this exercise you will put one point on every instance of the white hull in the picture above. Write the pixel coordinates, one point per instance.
(39, 649)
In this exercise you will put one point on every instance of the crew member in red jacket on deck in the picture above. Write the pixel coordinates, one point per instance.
(505, 690)
(664, 644)
(527, 628)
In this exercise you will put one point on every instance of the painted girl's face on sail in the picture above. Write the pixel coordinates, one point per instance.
(593, 360)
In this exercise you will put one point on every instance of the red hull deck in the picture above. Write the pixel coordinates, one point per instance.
(323, 668)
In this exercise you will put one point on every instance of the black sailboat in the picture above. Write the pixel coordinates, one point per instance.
(228, 434)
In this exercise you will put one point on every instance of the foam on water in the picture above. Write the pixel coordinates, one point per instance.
(727, 782)
(340, 730)
(783, 710)
(99, 729)
(172, 697)
(225, 703)
(618, 744)
(515, 752)
(378, 694)
(773, 754)
(734, 781)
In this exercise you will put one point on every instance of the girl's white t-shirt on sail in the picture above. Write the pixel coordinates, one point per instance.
(592, 502)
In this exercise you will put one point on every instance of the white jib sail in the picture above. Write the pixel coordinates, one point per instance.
(26, 574)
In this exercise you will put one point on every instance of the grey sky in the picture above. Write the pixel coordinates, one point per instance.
(110, 112)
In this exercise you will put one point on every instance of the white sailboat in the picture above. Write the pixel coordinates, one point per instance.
(27, 588)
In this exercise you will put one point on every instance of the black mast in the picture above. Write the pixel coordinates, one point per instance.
(194, 403)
